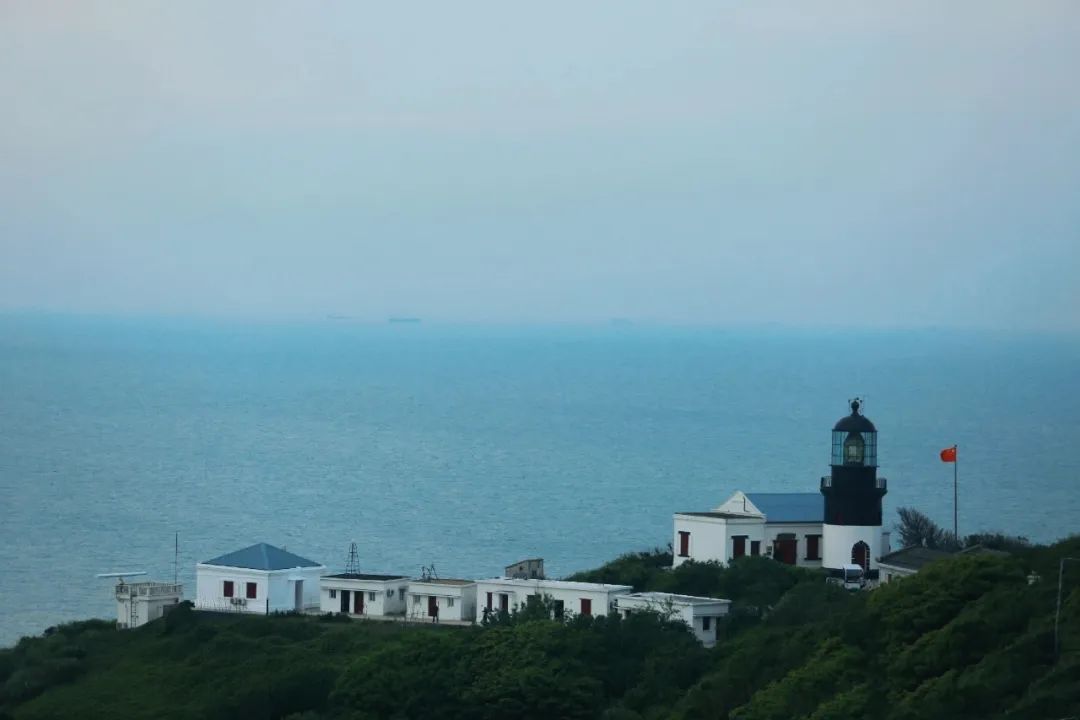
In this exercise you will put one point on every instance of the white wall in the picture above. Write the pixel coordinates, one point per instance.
(275, 586)
(891, 573)
(690, 613)
(570, 595)
(839, 539)
(381, 605)
(710, 538)
(800, 531)
(455, 602)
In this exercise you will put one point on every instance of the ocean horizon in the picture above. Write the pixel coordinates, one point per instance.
(472, 446)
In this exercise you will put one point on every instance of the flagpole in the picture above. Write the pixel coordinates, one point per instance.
(955, 496)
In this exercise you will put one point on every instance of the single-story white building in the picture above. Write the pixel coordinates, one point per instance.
(699, 613)
(258, 579)
(441, 599)
(363, 594)
(784, 526)
(139, 603)
(580, 598)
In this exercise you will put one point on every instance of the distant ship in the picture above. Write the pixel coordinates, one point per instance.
(412, 320)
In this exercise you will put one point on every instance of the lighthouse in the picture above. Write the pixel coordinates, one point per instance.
(851, 533)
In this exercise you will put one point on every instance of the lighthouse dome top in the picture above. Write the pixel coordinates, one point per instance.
(854, 422)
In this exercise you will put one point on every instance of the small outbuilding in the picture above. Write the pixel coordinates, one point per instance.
(908, 561)
(699, 613)
(363, 594)
(259, 579)
(139, 603)
(433, 599)
(532, 569)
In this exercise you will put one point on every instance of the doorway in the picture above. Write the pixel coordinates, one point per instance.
(298, 597)
(358, 602)
(432, 606)
(860, 555)
(786, 548)
(344, 600)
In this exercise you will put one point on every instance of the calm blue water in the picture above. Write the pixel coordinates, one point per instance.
(471, 448)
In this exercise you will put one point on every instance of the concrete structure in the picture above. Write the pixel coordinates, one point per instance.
(362, 594)
(434, 599)
(139, 603)
(853, 494)
(258, 579)
(908, 561)
(699, 613)
(580, 598)
(532, 569)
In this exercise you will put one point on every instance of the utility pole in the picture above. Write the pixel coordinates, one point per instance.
(1057, 614)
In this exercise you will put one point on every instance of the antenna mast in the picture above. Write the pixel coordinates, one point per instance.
(352, 565)
(176, 557)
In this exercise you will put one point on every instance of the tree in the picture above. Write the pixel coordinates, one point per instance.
(916, 529)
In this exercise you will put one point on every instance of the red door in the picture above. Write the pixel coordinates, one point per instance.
(785, 550)
(432, 606)
(738, 546)
(489, 601)
(586, 606)
(860, 555)
(358, 602)
(684, 544)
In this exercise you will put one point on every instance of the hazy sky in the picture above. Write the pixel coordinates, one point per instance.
(854, 163)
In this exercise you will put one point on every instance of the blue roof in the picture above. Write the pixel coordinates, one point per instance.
(262, 556)
(790, 507)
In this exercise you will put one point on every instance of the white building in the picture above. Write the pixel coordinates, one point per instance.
(784, 526)
(434, 599)
(362, 594)
(699, 613)
(579, 598)
(139, 603)
(258, 579)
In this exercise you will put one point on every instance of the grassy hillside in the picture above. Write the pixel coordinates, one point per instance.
(966, 638)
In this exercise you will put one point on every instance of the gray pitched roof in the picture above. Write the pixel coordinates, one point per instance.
(790, 507)
(913, 558)
(262, 556)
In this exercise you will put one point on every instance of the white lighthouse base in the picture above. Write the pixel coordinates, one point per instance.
(838, 544)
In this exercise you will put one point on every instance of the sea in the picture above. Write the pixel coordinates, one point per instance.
(469, 447)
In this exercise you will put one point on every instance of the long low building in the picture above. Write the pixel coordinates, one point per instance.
(699, 613)
(363, 594)
(580, 598)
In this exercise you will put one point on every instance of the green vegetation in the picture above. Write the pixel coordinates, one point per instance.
(968, 637)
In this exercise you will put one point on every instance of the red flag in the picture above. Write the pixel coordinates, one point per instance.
(948, 454)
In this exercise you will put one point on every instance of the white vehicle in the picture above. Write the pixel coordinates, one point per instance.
(854, 578)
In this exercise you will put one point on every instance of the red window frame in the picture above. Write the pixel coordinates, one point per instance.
(250, 590)
(586, 606)
(738, 546)
(813, 547)
(227, 588)
(684, 543)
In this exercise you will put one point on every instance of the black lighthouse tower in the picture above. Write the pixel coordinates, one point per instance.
(853, 494)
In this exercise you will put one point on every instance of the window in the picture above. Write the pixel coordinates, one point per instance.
(813, 547)
(371, 596)
(684, 544)
(333, 594)
(227, 590)
(415, 599)
(586, 606)
(449, 602)
(706, 623)
(558, 609)
(738, 543)
(250, 591)
(755, 547)
(489, 601)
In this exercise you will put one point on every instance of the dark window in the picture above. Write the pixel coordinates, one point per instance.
(333, 594)
(706, 623)
(684, 544)
(559, 609)
(228, 589)
(586, 606)
(250, 589)
(813, 547)
(504, 602)
(739, 546)
(755, 547)
(489, 601)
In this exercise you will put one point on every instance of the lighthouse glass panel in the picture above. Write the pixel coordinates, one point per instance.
(854, 448)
